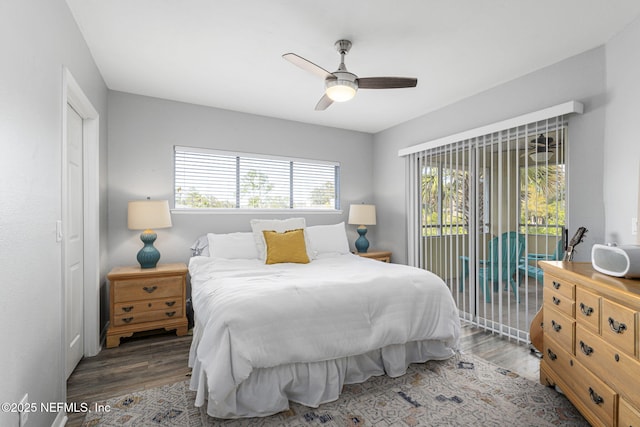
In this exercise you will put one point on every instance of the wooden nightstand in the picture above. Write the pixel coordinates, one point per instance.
(384, 256)
(146, 299)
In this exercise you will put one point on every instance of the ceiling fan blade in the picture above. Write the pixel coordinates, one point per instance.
(307, 65)
(386, 82)
(324, 102)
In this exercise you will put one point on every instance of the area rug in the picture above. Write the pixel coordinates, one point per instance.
(462, 391)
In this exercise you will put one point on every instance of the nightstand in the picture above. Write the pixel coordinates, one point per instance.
(143, 299)
(384, 256)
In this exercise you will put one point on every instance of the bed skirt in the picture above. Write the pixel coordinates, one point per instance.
(268, 391)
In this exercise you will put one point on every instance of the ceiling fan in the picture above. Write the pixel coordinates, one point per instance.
(542, 148)
(342, 85)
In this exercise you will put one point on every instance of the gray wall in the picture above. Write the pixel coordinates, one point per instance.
(580, 78)
(36, 39)
(622, 146)
(143, 132)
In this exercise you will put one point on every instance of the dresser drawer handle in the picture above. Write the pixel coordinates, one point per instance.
(170, 313)
(586, 349)
(556, 301)
(556, 326)
(556, 284)
(598, 400)
(617, 327)
(170, 303)
(150, 289)
(551, 354)
(127, 309)
(586, 310)
(127, 319)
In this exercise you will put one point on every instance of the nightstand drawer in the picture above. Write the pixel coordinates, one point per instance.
(140, 289)
(142, 306)
(147, 316)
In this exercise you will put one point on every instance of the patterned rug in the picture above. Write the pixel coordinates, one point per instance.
(461, 391)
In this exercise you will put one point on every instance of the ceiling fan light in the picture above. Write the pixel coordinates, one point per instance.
(341, 90)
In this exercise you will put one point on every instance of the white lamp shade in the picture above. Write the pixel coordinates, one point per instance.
(148, 214)
(362, 214)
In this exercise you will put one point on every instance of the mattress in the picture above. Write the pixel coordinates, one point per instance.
(268, 334)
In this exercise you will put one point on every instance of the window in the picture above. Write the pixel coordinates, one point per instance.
(542, 199)
(208, 179)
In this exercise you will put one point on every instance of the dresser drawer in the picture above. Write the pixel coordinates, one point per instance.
(618, 326)
(147, 316)
(559, 327)
(588, 309)
(628, 416)
(139, 289)
(620, 370)
(138, 307)
(555, 356)
(560, 286)
(558, 301)
(595, 395)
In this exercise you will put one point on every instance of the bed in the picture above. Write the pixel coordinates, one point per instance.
(269, 333)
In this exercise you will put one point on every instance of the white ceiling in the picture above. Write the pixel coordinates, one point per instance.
(228, 53)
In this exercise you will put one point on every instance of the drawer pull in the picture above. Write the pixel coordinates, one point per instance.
(170, 303)
(598, 400)
(617, 327)
(551, 354)
(586, 310)
(586, 349)
(556, 326)
(556, 285)
(170, 313)
(556, 301)
(150, 289)
(127, 309)
(127, 319)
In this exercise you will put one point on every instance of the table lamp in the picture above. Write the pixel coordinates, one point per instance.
(362, 215)
(146, 215)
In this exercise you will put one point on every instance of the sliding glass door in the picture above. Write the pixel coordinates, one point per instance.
(483, 212)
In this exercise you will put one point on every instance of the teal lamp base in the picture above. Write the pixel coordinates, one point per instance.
(362, 244)
(148, 256)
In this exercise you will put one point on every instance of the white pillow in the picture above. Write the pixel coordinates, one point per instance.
(328, 239)
(279, 225)
(232, 246)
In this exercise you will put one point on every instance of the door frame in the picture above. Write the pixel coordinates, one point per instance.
(73, 95)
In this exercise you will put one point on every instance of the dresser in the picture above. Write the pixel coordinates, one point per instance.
(591, 343)
(146, 299)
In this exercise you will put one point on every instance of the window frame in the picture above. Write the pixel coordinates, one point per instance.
(238, 155)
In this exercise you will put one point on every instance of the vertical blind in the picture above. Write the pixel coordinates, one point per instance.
(482, 210)
(214, 179)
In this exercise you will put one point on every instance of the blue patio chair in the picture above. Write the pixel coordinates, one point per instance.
(495, 270)
(532, 270)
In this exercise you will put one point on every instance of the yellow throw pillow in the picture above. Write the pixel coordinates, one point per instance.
(285, 247)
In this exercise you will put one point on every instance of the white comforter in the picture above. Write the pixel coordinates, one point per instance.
(259, 316)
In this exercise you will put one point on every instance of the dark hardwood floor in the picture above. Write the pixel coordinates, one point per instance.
(151, 360)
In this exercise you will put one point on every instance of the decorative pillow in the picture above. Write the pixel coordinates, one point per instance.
(279, 225)
(285, 247)
(328, 239)
(232, 246)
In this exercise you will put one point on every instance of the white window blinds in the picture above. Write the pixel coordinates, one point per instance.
(208, 179)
